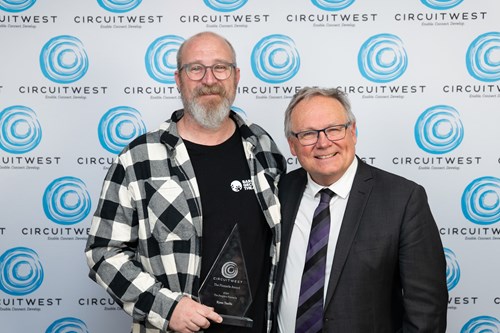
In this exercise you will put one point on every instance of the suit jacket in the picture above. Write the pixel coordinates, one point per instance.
(389, 270)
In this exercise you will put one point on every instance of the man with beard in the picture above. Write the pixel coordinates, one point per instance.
(169, 202)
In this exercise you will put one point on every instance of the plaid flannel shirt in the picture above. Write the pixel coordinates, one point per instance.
(144, 241)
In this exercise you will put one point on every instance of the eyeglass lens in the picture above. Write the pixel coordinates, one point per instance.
(333, 133)
(197, 72)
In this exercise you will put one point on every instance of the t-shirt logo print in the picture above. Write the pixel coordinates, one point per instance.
(236, 185)
(245, 184)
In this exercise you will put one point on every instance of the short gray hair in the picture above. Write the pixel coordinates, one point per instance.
(309, 92)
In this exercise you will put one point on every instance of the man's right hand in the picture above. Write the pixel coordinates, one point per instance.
(191, 316)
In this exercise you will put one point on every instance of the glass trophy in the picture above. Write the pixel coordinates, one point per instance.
(226, 287)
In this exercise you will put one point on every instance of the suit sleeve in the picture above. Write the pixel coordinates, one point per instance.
(422, 268)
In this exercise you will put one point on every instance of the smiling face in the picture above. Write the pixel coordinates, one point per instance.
(325, 161)
(209, 99)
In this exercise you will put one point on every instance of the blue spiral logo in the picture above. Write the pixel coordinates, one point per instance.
(452, 269)
(382, 58)
(482, 324)
(481, 201)
(119, 6)
(118, 127)
(66, 201)
(441, 4)
(439, 130)
(275, 59)
(225, 5)
(161, 62)
(21, 271)
(20, 129)
(332, 5)
(15, 6)
(482, 57)
(67, 325)
(63, 59)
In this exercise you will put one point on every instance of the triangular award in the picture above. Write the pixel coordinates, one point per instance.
(226, 287)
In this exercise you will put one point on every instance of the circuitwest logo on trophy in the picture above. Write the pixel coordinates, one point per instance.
(226, 287)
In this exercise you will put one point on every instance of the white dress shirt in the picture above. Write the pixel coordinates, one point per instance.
(295, 260)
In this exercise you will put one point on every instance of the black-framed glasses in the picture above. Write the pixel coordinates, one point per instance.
(197, 72)
(332, 133)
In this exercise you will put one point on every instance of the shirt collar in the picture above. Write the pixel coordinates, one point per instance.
(341, 187)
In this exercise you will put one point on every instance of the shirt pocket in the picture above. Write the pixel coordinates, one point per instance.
(167, 210)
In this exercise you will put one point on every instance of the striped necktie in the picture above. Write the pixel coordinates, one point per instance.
(310, 309)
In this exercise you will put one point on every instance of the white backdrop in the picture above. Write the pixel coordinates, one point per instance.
(79, 79)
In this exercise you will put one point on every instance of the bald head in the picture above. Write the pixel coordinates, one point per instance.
(200, 36)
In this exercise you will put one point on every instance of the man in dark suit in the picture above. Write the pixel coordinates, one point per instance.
(383, 262)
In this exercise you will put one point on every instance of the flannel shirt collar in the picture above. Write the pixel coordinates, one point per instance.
(170, 135)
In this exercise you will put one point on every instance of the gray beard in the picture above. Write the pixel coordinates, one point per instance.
(209, 117)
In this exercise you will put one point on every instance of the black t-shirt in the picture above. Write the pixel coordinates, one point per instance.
(227, 198)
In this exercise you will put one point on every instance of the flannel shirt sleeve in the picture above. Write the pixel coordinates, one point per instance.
(111, 253)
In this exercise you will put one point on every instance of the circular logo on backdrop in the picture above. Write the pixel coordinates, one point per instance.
(21, 271)
(275, 59)
(118, 127)
(15, 6)
(441, 4)
(63, 59)
(382, 58)
(20, 129)
(225, 5)
(229, 270)
(68, 324)
(483, 57)
(161, 61)
(481, 324)
(332, 5)
(66, 201)
(481, 201)
(452, 269)
(439, 130)
(119, 6)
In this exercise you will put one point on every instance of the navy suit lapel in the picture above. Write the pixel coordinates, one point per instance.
(291, 188)
(358, 198)
(290, 197)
